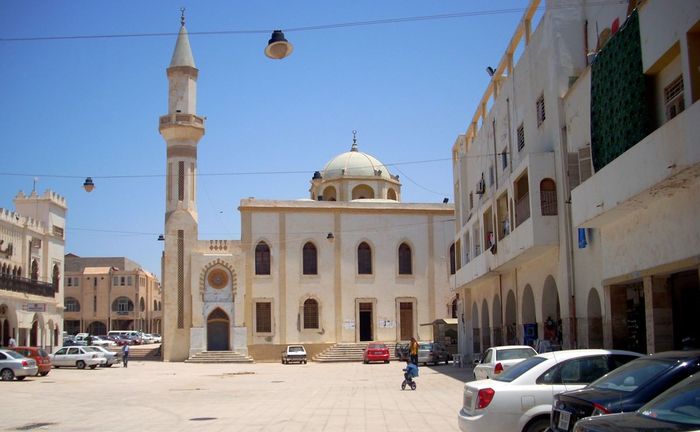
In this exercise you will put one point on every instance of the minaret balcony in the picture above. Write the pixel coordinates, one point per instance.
(180, 119)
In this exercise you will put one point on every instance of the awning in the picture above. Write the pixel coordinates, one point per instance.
(448, 321)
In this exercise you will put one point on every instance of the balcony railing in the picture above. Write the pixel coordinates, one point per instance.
(27, 286)
(522, 209)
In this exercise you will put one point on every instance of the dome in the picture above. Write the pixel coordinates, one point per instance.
(355, 164)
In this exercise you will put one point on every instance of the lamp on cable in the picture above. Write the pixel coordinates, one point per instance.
(88, 185)
(278, 47)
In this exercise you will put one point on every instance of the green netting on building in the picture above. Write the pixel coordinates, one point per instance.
(619, 112)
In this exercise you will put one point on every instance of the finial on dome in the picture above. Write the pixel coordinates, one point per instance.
(354, 141)
(182, 16)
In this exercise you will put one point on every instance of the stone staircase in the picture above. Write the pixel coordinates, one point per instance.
(136, 352)
(348, 352)
(219, 357)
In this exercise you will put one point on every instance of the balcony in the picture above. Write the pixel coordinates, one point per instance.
(536, 229)
(666, 161)
(181, 119)
(26, 286)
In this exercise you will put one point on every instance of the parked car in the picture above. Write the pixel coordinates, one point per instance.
(77, 356)
(15, 365)
(375, 351)
(401, 350)
(111, 358)
(624, 389)
(432, 352)
(294, 353)
(40, 356)
(118, 341)
(520, 399)
(71, 341)
(156, 338)
(498, 359)
(676, 409)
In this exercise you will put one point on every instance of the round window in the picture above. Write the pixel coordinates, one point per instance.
(218, 278)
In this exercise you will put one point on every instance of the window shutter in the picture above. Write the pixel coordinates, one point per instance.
(574, 178)
(585, 163)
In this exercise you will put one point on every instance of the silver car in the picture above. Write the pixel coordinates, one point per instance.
(77, 356)
(432, 352)
(498, 359)
(15, 365)
(111, 357)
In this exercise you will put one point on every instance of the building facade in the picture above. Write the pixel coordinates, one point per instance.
(31, 266)
(351, 263)
(576, 182)
(110, 293)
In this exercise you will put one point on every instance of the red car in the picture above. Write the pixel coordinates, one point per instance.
(376, 352)
(40, 356)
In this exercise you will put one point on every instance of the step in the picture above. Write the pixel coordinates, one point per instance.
(219, 357)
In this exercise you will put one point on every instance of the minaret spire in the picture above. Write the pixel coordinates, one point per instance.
(354, 141)
(182, 16)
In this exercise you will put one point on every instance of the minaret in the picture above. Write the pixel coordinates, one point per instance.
(182, 129)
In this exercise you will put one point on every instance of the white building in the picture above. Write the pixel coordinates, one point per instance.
(577, 180)
(31, 266)
(351, 263)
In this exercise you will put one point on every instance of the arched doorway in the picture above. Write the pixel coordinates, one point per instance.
(485, 329)
(497, 321)
(529, 317)
(97, 328)
(595, 320)
(511, 318)
(551, 315)
(5, 332)
(34, 334)
(217, 331)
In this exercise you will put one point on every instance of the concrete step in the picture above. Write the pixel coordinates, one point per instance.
(219, 357)
(348, 352)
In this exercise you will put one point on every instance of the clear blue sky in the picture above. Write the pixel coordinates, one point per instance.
(90, 107)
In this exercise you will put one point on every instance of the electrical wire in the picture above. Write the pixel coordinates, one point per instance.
(399, 20)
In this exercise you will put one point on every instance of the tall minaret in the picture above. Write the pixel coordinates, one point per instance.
(182, 129)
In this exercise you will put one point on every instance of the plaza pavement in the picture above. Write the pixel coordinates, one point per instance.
(155, 396)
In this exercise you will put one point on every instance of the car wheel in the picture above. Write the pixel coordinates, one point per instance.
(304, 361)
(57, 367)
(109, 365)
(539, 425)
(80, 364)
(20, 378)
(44, 373)
(7, 375)
(93, 366)
(365, 361)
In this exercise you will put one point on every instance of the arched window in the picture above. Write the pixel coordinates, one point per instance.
(72, 304)
(311, 314)
(123, 305)
(452, 259)
(310, 259)
(262, 259)
(362, 192)
(155, 305)
(548, 197)
(56, 277)
(391, 194)
(142, 305)
(329, 194)
(405, 260)
(35, 270)
(364, 259)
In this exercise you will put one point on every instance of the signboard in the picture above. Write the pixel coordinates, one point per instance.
(349, 324)
(34, 307)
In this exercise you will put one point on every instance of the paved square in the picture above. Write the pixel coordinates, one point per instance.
(154, 396)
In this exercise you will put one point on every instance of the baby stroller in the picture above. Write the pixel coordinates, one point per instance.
(410, 372)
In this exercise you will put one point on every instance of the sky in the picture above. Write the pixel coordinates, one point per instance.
(73, 108)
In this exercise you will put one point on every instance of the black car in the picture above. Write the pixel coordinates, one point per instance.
(401, 350)
(625, 389)
(676, 409)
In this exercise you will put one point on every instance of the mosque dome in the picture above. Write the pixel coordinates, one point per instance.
(355, 164)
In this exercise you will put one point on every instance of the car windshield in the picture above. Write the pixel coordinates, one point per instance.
(296, 349)
(515, 353)
(629, 377)
(516, 370)
(377, 346)
(425, 346)
(90, 348)
(679, 404)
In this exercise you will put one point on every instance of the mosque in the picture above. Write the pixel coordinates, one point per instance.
(351, 263)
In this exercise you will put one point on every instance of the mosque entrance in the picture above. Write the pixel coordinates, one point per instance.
(218, 331)
(365, 321)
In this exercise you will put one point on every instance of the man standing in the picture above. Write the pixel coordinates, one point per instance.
(125, 354)
(413, 351)
(12, 342)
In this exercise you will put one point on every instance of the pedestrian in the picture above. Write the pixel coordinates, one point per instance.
(89, 340)
(12, 342)
(413, 351)
(125, 355)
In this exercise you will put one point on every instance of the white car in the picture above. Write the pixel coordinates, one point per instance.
(520, 399)
(496, 360)
(98, 341)
(77, 356)
(156, 338)
(111, 358)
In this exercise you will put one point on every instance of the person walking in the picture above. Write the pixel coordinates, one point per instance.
(12, 342)
(125, 354)
(413, 351)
